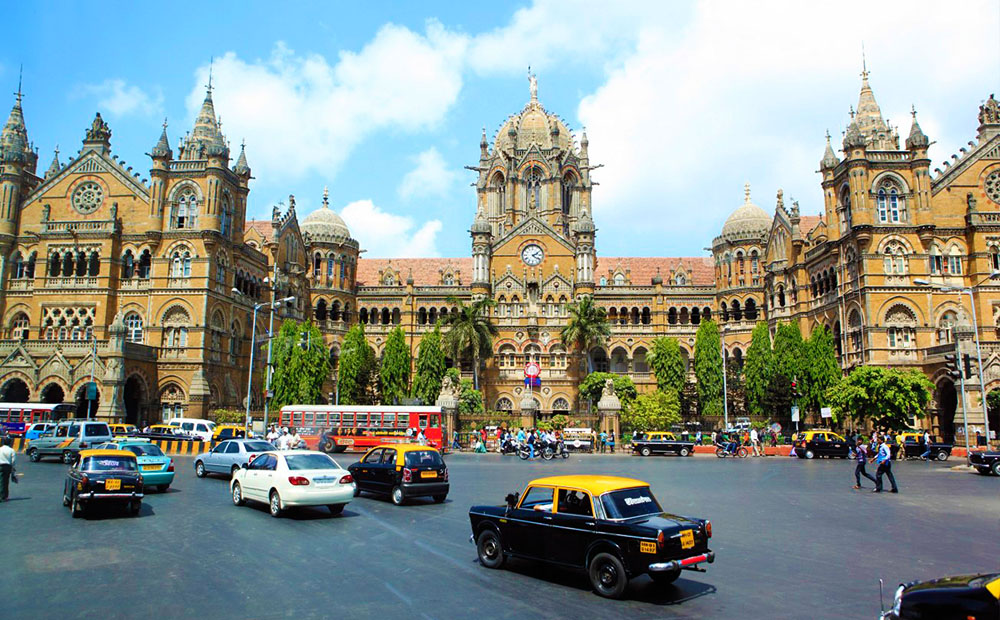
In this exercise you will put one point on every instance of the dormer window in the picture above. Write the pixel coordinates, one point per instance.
(619, 279)
(449, 279)
(680, 279)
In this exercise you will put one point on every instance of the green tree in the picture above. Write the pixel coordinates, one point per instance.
(657, 410)
(301, 365)
(788, 348)
(228, 416)
(821, 370)
(587, 328)
(888, 397)
(668, 364)
(470, 400)
(778, 397)
(357, 365)
(592, 387)
(758, 369)
(470, 333)
(430, 367)
(708, 368)
(394, 372)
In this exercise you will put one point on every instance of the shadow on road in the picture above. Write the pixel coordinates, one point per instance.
(305, 513)
(104, 512)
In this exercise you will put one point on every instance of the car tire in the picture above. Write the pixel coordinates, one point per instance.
(397, 496)
(810, 454)
(76, 508)
(983, 471)
(490, 549)
(684, 452)
(233, 470)
(135, 507)
(162, 488)
(274, 504)
(199, 469)
(645, 451)
(329, 446)
(66, 501)
(67, 457)
(439, 498)
(238, 494)
(607, 575)
(335, 509)
(666, 577)
(995, 468)
(942, 455)
(33, 455)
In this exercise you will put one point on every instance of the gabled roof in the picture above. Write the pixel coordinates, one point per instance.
(426, 271)
(93, 162)
(643, 268)
(808, 223)
(263, 227)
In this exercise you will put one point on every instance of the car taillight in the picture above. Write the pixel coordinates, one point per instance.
(250, 457)
(348, 479)
(445, 474)
(170, 466)
(84, 479)
(298, 481)
(660, 539)
(708, 529)
(407, 474)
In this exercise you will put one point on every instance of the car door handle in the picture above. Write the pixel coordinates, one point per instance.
(547, 518)
(589, 523)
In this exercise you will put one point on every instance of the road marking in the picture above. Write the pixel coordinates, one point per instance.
(72, 560)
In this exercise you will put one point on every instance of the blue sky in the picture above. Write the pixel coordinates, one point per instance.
(385, 102)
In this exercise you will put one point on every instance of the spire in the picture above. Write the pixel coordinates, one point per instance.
(917, 138)
(481, 225)
(484, 147)
(241, 166)
(54, 167)
(584, 144)
(162, 148)
(14, 136)
(206, 137)
(829, 157)
(326, 197)
(746, 193)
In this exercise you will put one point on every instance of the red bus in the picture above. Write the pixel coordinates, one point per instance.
(336, 428)
(15, 418)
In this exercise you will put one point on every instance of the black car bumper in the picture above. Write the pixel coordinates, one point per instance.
(420, 489)
(672, 565)
(89, 495)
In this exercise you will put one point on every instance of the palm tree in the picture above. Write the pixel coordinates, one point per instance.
(587, 328)
(470, 332)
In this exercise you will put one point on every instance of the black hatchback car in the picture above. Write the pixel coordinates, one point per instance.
(402, 471)
(103, 476)
(949, 598)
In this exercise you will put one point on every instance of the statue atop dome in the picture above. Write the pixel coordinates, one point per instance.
(532, 84)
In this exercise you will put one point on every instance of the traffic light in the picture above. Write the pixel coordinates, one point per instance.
(304, 341)
(951, 364)
(967, 358)
(795, 389)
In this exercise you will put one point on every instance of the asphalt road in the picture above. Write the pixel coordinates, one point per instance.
(792, 538)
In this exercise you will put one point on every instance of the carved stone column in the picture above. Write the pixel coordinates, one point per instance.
(528, 411)
(608, 409)
(112, 403)
(448, 401)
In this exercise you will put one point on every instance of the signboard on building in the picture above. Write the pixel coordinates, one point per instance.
(795, 414)
(532, 370)
(825, 412)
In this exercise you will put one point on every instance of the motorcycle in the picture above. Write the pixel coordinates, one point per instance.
(546, 452)
(731, 449)
(509, 447)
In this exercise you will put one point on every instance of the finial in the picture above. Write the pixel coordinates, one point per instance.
(852, 113)
(913, 111)
(211, 62)
(57, 150)
(326, 197)
(864, 63)
(828, 136)
(20, 75)
(746, 192)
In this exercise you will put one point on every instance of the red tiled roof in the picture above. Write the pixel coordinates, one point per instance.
(642, 269)
(808, 223)
(426, 271)
(264, 227)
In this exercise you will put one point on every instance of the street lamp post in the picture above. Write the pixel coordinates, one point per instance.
(725, 392)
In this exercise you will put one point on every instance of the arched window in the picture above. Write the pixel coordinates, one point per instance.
(506, 356)
(994, 259)
(128, 265)
(226, 225)
(172, 399)
(619, 279)
(19, 327)
(389, 279)
(568, 183)
(94, 265)
(737, 311)
(321, 310)
(534, 186)
(17, 265)
(532, 353)
(145, 263)
(646, 318)
(639, 362)
(385, 317)
(953, 266)
(499, 191)
(234, 339)
(945, 325)
(891, 206)
(781, 296)
(936, 265)
(750, 310)
(54, 264)
(894, 258)
(184, 210)
(901, 327)
(680, 279)
(81, 264)
(181, 264)
(845, 206)
(504, 404)
(560, 405)
(363, 315)
(133, 327)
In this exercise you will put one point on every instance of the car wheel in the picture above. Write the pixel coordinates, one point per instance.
(439, 498)
(66, 499)
(489, 549)
(34, 456)
(942, 456)
(233, 470)
(995, 468)
(607, 575)
(329, 446)
(397, 496)
(275, 504)
(237, 494)
(135, 508)
(335, 509)
(76, 509)
(67, 457)
(810, 454)
(685, 452)
(162, 488)
(665, 578)
(645, 451)
(357, 490)
(983, 471)
(199, 469)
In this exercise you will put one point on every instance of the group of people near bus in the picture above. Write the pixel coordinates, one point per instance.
(285, 438)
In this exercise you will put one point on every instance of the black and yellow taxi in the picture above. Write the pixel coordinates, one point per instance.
(661, 442)
(123, 430)
(821, 442)
(961, 597)
(911, 445)
(611, 527)
(103, 476)
(402, 471)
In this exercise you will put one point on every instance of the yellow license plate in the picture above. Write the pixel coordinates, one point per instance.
(687, 539)
(428, 474)
(148, 467)
(647, 547)
(112, 484)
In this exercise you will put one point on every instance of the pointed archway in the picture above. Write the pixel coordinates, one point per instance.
(53, 394)
(83, 403)
(135, 400)
(947, 402)
(15, 391)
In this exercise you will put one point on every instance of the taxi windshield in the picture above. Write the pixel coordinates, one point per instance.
(630, 503)
(144, 449)
(417, 458)
(108, 463)
(298, 462)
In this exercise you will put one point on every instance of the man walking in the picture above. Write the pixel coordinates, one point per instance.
(7, 459)
(604, 442)
(884, 461)
(755, 441)
(861, 455)
(927, 446)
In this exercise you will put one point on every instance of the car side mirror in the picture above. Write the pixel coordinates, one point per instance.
(511, 500)
(245, 466)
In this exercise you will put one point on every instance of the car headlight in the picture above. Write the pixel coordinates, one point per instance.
(897, 599)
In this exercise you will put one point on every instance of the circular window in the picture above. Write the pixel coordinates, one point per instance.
(992, 186)
(87, 197)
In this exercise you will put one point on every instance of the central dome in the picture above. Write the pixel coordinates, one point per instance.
(533, 126)
(747, 220)
(324, 223)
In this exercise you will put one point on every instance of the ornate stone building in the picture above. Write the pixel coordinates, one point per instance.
(89, 252)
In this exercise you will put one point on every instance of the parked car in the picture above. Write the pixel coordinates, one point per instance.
(986, 462)
(103, 476)
(68, 438)
(959, 598)
(228, 431)
(157, 469)
(284, 479)
(229, 456)
(661, 442)
(402, 471)
(164, 432)
(37, 429)
(910, 445)
(195, 427)
(820, 443)
(611, 527)
(123, 430)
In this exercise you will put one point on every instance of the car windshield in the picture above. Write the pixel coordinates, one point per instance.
(108, 463)
(419, 458)
(630, 503)
(144, 449)
(258, 446)
(298, 462)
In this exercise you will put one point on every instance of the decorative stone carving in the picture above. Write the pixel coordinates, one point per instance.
(609, 403)
(989, 112)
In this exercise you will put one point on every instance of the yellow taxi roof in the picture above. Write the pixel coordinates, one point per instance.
(161, 426)
(405, 447)
(595, 485)
(118, 453)
(228, 425)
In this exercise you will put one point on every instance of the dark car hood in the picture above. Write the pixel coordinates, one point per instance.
(959, 581)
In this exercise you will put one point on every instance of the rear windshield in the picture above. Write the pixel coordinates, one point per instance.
(629, 503)
(95, 430)
(258, 446)
(145, 449)
(419, 458)
(298, 462)
(109, 463)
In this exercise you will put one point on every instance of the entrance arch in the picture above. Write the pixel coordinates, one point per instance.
(82, 404)
(15, 391)
(135, 398)
(53, 394)
(947, 401)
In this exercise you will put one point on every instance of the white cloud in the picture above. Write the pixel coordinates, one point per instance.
(121, 99)
(430, 178)
(385, 234)
(300, 114)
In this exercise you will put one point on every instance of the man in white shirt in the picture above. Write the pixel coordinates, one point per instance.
(282, 443)
(8, 457)
(272, 435)
(421, 438)
(294, 441)
(755, 441)
(927, 446)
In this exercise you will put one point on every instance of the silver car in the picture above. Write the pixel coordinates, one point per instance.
(228, 456)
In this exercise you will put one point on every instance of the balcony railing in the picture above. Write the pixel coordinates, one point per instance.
(71, 282)
(84, 226)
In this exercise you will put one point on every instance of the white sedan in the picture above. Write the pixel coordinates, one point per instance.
(293, 478)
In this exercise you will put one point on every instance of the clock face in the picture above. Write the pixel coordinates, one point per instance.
(532, 255)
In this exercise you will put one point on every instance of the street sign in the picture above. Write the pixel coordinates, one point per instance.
(91, 391)
(532, 382)
(532, 370)
(825, 412)
(795, 414)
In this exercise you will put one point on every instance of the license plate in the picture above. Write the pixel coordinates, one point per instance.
(149, 467)
(646, 546)
(324, 480)
(428, 474)
(687, 539)
(112, 484)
